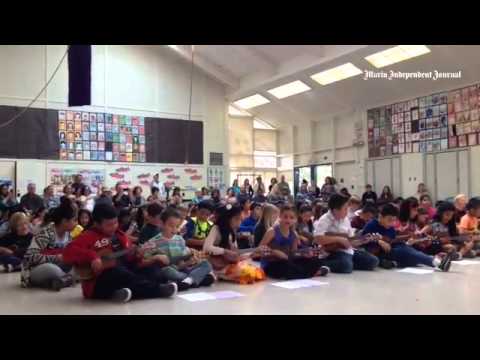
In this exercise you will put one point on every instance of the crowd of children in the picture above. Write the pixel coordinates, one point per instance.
(122, 247)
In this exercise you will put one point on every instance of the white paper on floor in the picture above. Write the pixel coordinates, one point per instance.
(466, 262)
(297, 284)
(202, 296)
(411, 270)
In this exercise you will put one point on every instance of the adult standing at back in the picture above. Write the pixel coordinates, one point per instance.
(421, 190)
(248, 188)
(259, 187)
(283, 187)
(78, 186)
(156, 184)
(328, 188)
(273, 181)
(31, 201)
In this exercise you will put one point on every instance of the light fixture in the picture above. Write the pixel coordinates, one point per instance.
(293, 88)
(174, 47)
(262, 125)
(336, 74)
(396, 54)
(233, 111)
(251, 101)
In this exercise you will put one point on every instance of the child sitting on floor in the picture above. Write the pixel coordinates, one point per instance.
(354, 204)
(14, 245)
(400, 252)
(332, 231)
(104, 278)
(152, 224)
(178, 265)
(221, 246)
(363, 216)
(199, 227)
(268, 219)
(469, 223)
(305, 226)
(247, 227)
(283, 262)
(43, 264)
(443, 228)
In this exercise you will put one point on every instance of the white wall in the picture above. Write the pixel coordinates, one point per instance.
(126, 79)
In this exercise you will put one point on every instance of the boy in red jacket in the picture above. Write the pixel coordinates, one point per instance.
(114, 281)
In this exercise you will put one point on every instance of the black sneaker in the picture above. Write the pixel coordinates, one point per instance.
(16, 268)
(122, 295)
(208, 280)
(456, 256)
(323, 271)
(168, 290)
(387, 264)
(183, 286)
(63, 282)
(446, 262)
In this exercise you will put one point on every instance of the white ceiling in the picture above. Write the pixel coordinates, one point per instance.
(249, 69)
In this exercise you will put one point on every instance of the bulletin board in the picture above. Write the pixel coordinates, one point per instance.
(188, 178)
(441, 121)
(60, 174)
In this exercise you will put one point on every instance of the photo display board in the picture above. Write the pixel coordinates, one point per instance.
(431, 123)
(101, 137)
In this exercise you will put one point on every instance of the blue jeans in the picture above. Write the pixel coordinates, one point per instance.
(406, 256)
(10, 260)
(340, 262)
(170, 273)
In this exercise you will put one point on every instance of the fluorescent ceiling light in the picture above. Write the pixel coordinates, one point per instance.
(233, 111)
(251, 101)
(396, 54)
(293, 88)
(336, 74)
(263, 125)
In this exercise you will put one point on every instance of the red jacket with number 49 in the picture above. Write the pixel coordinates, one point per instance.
(84, 249)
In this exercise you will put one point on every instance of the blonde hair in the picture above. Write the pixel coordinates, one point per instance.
(459, 197)
(267, 215)
(17, 219)
(354, 199)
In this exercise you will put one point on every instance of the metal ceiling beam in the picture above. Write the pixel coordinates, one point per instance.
(293, 71)
(207, 66)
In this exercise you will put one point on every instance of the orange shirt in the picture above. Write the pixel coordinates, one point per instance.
(468, 224)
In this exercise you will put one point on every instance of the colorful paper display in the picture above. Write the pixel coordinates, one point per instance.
(427, 124)
(101, 137)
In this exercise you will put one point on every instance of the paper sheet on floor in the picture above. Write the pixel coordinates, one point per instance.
(466, 262)
(226, 294)
(297, 284)
(417, 271)
(202, 296)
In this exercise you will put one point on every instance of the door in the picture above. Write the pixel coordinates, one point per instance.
(383, 174)
(430, 172)
(446, 175)
(463, 172)
(396, 177)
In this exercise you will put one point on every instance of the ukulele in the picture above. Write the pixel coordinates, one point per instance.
(218, 262)
(311, 251)
(356, 241)
(109, 260)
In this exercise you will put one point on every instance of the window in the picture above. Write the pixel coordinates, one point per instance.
(265, 159)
